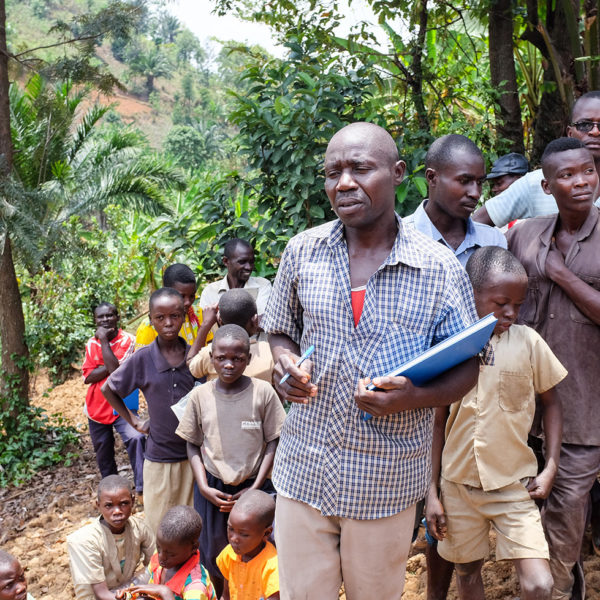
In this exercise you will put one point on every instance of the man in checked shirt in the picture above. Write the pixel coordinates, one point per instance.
(369, 293)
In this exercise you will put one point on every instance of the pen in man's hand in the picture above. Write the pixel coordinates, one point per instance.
(308, 352)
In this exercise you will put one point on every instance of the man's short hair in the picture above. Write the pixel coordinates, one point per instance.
(178, 273)
(237, 307)
(163, 292)
(235, 332)
(441, 151)
(559, 145)
(257, 504)
(181, 524)
(593, 95)
(492, 259)
(113, 483)
(105, 305)
(231, 246)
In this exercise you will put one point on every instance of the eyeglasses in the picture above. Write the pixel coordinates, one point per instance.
(586, 126)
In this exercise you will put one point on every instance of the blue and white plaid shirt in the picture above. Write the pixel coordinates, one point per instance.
(328, 456)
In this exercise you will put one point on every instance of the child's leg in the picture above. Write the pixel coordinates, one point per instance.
(135, 444)
(468, 580)
(535, 578)
(439, 573)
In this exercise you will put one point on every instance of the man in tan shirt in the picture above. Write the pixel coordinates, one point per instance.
(488, 473)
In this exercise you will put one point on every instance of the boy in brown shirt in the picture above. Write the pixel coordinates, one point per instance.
(231, 426)
(488, 473)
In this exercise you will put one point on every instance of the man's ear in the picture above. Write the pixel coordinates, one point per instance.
(225, 261)
(399, 169)
(219, 320)
(545, 187)
(430, 176)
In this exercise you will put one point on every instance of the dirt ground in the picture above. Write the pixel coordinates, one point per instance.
(36, 518)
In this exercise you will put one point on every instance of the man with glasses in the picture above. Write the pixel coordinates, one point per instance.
(525, 197)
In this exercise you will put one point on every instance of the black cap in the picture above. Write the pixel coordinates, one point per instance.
(509, 164)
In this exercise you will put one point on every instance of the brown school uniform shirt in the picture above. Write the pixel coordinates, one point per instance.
(573, 338)
(486, 432)
(261, 363)
(232, 429)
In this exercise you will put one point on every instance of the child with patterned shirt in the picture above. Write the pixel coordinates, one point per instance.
(489, 475)
(231, 426)
(175, 569)
(249, 562)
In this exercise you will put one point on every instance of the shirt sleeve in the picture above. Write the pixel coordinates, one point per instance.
(270, 578)
(283, 314)
(274, 413)
(224, 562)
(513, 203)
(126, 378)
(262, 298)
(190, 426)
(148, 545)
(91, 361)
(144, 335)
(199, 365)
(85, 558)
(548, 371)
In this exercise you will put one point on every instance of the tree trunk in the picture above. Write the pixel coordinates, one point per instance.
(12, 324)
(509, 123)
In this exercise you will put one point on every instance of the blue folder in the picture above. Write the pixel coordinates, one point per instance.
(446, 354)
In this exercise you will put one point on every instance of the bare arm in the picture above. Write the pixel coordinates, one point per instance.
(481, 216)
(398, 393)
(111, 362)
(220, 499)
(209, 318)
(434, 511)
(298, 387)
(119, 406)
(539, 487)
(584, 296)
(101, 591)
(265, 468)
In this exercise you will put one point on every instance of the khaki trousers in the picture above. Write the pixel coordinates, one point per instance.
(316, 553)
(166, 485)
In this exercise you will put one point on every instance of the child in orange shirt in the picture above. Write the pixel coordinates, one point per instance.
(249, 562)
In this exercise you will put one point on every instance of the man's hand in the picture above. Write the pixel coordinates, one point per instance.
(298, 387)
(223, 501)
(387, 402)
(434, 514)
(539, 487)
(102, 333)
(555, 262)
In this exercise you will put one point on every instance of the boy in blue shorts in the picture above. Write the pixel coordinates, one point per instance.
(231, 426)
(160, 371)
(488, 472)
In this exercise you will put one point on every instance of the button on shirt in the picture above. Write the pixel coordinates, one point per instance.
(477, 236)
(328, 456)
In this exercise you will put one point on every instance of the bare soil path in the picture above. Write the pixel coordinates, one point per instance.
(36, 518)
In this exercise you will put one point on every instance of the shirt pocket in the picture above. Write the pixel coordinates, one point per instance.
(576, 315)
(515, 392)
(530, 310)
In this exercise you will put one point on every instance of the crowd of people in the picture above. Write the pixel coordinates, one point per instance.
(244, 501)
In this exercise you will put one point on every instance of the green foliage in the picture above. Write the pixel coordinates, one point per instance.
(29, 440)
(186, 145)
(59, 300)
(151, 63)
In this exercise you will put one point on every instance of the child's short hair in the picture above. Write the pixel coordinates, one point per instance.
(181, 524)
(559, 145)
(257, 504)
(231, 246)
(104, 305)
(236, 307)
(234, 332)
(492, 259)
(441, 151)
(178, 273)
(163, 291)
(113, 483)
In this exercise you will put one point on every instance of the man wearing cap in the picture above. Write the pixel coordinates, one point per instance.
(525, 198)
(506, 170)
